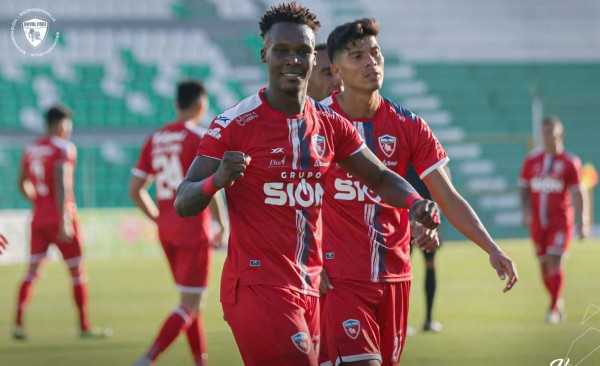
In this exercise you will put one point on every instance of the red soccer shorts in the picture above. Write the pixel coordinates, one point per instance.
(274, 326)
(553, 240)
(43, 236)
(189, 265)
(364, 321)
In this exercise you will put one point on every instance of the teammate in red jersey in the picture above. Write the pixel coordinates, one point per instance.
(322, 83)
(547, 177)
(165, 157)
(46, 180)
(365, 241)
(272, 152)
(3, 243)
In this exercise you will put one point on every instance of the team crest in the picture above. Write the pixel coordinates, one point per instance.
(302, 342)
(352, 328)
(387, 144)
(35, 30)
(319, 144)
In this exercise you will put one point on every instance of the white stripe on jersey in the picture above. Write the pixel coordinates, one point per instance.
(546, 170)
(293, 127)
(369, 216)
(360, 129)
(300, 236)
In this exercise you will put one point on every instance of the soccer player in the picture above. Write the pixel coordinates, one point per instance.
(165, 157)
(271, 152)
(321, 82)
(47, 181)
(365, 241)
(547, 177)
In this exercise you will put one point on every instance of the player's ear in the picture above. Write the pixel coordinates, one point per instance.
(335, 71)
(263, 56)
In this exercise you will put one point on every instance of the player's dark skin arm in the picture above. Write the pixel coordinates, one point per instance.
(190, 199)
(26, 187)
(392, 188)
(525, 206)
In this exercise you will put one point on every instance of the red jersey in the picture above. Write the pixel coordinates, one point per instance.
(365, 239)
(166, 157)
(549, 179)
(39, 162)
(274, 210)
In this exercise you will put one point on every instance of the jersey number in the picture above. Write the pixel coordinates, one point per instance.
(168, 175)
(37, 170)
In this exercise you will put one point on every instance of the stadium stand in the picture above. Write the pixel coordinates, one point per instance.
(469, 70)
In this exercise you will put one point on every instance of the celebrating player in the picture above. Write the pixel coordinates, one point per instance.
(322, 83)
(47, 181)
(165, 156)
(547, 177)
(272, 152)
(365, 241)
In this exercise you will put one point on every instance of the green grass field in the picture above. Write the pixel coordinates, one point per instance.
(483, 326)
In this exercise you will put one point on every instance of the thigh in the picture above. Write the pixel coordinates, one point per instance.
(349, 324)
(539, 241)
(274, 326)
(41, 238)
(558, 240)
(71, 250)
(392, 319)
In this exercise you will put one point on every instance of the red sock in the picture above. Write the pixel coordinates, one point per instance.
(25, 292)
(175, 323)
(80, 294)
(555, 285)
(197, 341)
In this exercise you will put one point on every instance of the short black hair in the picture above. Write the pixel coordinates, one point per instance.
(189, 92)
(56, 114)
(321, 47)
(290, 12)
(339, 38)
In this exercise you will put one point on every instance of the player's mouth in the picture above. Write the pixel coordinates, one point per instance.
(293, 75)
(372, 74)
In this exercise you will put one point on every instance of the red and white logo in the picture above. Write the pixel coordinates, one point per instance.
(302, 342)
(387, 144)
(352, 328)
(319, 144)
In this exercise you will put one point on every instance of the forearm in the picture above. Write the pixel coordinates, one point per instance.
(525, 200)
(462, 216)
(581, 210)
(145, 203)
(191, 200)
(392, 188)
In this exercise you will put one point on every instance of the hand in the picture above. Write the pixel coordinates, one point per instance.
(583, 230)
(219, 240)
(66, 231)
(232, 168)
(504, 266)
(425, 212)
(325, 283)
(424, 239)
(3, 243)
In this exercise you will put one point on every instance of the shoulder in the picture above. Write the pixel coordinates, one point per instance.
(242, 113)
(403, 113)
(534, 154)
(67, 148)
(324, 112)
(572, 158)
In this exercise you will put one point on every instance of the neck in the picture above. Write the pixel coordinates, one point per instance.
(188, 116)
(359, 105)
(289, 104)
(554, 150)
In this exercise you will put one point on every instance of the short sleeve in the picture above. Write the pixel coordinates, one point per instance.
(216, 141)
(427, 152)
(143, 166)
(347, 140)
(67, 153)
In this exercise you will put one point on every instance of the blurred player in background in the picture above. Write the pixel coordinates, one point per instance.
(429, 325)
(548, 176)
(3, 243)
(47, 181)
(365, 241)
(164, 159)
(322, 83)
(272, 152)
